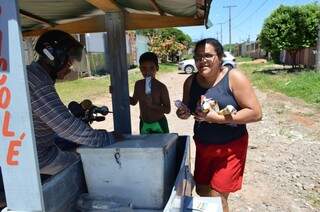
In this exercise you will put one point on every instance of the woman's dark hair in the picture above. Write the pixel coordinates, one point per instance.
(149, 56)
(215, 43)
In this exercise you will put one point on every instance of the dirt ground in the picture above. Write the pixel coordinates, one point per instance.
(283, 162)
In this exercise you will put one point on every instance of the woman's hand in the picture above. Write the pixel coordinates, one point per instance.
(210, 117)
(183, 112)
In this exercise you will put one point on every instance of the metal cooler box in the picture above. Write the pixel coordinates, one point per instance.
(140, 168)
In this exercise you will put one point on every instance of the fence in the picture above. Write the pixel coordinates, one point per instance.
(305, 57)
(249, 49)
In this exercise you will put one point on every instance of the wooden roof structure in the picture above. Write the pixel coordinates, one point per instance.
(85, 16)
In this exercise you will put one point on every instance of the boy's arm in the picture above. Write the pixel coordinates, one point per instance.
(165, 100)
(164, 106)
(134, 98)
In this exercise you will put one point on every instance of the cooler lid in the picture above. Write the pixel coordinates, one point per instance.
(163, 141)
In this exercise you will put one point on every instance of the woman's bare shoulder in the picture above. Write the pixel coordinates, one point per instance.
(188, 81)
(237, 74)
(238, 79)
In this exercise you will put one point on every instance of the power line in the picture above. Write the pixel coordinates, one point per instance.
(237, 15)
(242, 10)
(261, 5)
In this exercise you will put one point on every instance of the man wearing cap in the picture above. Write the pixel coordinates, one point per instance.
(57, 51)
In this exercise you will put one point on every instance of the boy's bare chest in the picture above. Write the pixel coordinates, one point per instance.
(155, 92)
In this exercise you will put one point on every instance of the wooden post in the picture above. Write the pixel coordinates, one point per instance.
(318, 51)
(85, 62)
(116, 59)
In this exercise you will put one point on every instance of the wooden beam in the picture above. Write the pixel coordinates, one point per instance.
(156, 7)
(34, 17)
(146, 21)
(105, 5)
(94, 24)
(133, 21)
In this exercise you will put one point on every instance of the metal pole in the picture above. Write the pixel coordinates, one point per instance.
(220, 32)
(229, 7)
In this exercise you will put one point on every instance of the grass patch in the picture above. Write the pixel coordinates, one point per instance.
(304, 84)
(80, 89)
(93, 87)
(243, 59)
(314, 199)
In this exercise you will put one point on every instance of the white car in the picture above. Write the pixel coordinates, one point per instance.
(188, 66)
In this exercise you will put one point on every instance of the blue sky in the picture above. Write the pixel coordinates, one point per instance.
(246, 19)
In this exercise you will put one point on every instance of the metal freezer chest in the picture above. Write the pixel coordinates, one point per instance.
(140, 168)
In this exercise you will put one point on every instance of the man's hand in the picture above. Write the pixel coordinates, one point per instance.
(114, 137)
(117, 136)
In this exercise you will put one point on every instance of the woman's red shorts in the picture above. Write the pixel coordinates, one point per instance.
(221, 166)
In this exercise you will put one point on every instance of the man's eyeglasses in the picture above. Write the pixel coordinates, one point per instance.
(198, 58)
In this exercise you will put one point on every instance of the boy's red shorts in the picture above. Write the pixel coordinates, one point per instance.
(221, 166)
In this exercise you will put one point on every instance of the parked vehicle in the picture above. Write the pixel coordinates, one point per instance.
(188, 66)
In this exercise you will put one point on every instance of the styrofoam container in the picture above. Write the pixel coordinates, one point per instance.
(140, 168)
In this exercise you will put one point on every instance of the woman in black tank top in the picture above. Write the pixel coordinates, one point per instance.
(221, 140)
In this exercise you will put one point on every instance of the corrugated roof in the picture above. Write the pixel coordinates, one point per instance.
(87, 15)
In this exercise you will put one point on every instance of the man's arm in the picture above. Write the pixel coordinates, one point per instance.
(47, 105)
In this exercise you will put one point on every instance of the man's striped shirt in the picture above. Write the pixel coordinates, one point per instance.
(52, 118)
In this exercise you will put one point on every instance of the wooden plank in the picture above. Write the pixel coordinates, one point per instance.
(133, 21)
(34, 17)
(156, 7)
(105, 5)
(146, 21)
(117, 66)
(94, 24)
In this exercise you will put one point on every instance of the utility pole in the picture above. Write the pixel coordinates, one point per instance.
(318, 51)
(230, 6)
(217, 35)
(221, 32)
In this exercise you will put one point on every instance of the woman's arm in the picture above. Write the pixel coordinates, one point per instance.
(245, 97)
(184, 112)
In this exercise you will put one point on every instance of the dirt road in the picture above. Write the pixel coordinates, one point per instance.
(283, 163)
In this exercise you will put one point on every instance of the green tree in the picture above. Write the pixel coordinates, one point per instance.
(290, 28)
(229, 47)
(167, 42)
(312, 17)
